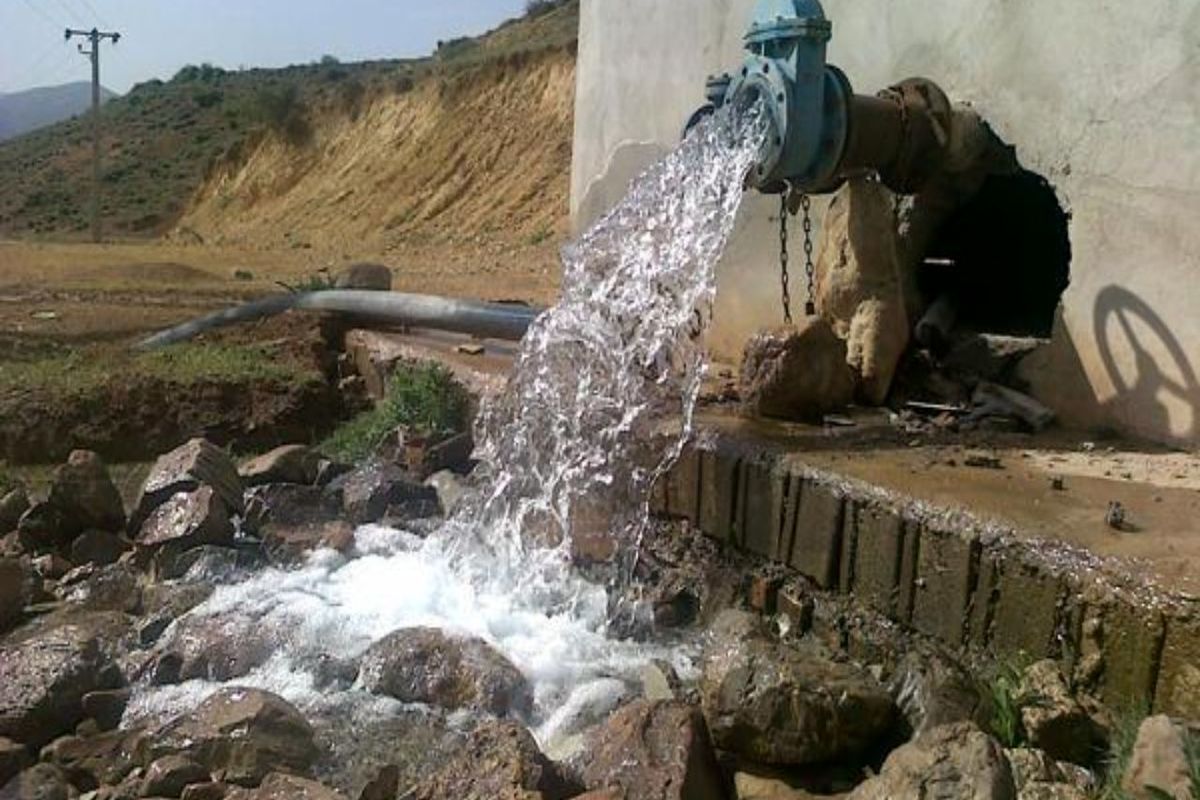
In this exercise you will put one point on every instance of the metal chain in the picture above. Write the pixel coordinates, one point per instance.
(783, 258)
(810, 306)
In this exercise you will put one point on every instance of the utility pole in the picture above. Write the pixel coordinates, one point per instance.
(95, 37)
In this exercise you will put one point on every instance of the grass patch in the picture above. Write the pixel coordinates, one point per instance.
(79, 371)
(1004, 691)
(423, 397)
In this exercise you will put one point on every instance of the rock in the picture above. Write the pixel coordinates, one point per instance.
(277, 786)
(12, 505)
(187, 519)
(1158, 766)
(85, 495)
(426, 665)
(957, 760)
(931, 690)
(193, 465)
(371, 491)
(98, 547)
(111, 588)
(216, 647)
(653, 750)
(100, 759)
(289, 544)
(860, 285)
(289, 504)
(365, 275)
(384, 786)
(43, 680)
(106, 706)
(204, 791)
(1037, 776)
(207, 563)
(240, 735)
(51, 566)
(499, 761)
(39, 782)
(1052, 718)
(13, 758)
(778, 704)
(291, 463)
(169, 775)
(15, 581)
(42, 527)
(748, 786)
(797, 374)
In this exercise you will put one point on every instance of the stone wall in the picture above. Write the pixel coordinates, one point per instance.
(976, 588)
(1101, 100)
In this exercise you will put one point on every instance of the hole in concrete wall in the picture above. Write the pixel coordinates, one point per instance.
(1004, 256)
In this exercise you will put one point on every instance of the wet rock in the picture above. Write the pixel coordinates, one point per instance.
(328, 470)
(653, 750)
(39, 782)
(106, 706)
(1052, 718)
(291, 463)
(216, 647)
(499, 761)
(12, 505)
(426, 665)
(365, 275)
(188, 519)
(191, 466)
(51, 566)
(85, 496)
(169, 775)
(15, 580)
(374, 490)
(14, 757)
(778, 704)
(42, 527)
(289, 544)
(95, 760)
(957, 760)
(449, 487)
(798, 374)
(206, 563)
(241, 735)
(931, 690)
(1158, 766)
(98, 547)
(43, 680)
(286, 504)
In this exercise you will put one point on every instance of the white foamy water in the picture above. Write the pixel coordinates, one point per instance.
(571, 446)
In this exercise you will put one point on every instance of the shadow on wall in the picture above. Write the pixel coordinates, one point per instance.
(1155, 393)
(1125, 325)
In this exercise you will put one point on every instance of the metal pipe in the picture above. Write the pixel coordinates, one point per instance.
(474, 317)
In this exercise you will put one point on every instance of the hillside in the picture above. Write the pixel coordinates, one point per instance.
(21, 112)
(475, 137)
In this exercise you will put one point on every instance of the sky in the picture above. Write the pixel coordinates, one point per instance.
(160, 36)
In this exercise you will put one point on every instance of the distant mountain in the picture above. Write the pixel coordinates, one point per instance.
(21, 112)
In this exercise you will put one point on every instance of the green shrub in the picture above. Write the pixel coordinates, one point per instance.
(283, 111)
(1003, 691)
(423, 397)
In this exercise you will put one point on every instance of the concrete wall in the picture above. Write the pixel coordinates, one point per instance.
(1103, 99)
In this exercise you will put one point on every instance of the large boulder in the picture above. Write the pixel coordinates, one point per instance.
(951, 761)
(14, 757)
(376, 490)
(291, 463)
(215, 647)
(653, 750)
(188, 519)
(43, 680)
(170, 775)
(1158, 766)
(185, 469)
(931, 690)
(15, 585)
(86, 496)
(780, 704)
(365, 275)
(1037, 776)
(499, 761)
(278, 786)
(426, 665)
(98, 547)
(39, 782)
(241, 735)
(101, 759)
(796, 373)
(111, 588)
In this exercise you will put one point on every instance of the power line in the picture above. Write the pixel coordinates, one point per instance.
(95, 14)
(95, 38)
(37, 64)
(42, 14)
(70, 12)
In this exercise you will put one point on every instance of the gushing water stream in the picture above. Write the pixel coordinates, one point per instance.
(569, 450)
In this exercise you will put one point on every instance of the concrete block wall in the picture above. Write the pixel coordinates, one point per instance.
(974, 588)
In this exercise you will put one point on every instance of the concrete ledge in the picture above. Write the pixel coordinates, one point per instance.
(981, 589)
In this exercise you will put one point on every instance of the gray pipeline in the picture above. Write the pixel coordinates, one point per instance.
(485, 320)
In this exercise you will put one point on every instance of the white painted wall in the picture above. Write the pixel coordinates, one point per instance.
(1101, 97)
